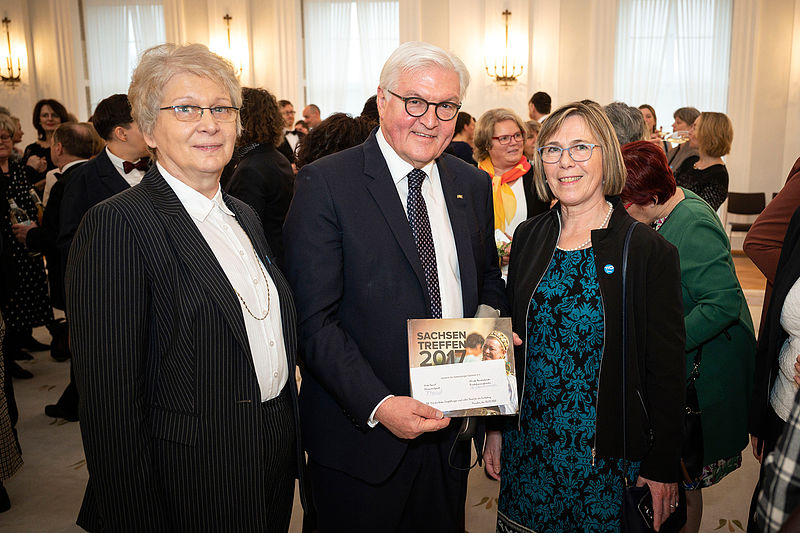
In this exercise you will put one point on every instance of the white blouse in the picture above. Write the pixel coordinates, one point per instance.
(785, 388)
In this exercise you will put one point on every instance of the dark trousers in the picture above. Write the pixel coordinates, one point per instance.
(774, 429)
(424, 494)
(279, 433)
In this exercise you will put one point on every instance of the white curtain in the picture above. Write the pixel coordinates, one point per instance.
(673, 53)
(134, 25)
(346, 44)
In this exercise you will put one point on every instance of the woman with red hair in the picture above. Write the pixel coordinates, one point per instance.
(717, 320)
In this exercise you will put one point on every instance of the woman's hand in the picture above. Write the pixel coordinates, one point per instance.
(39, 164)
(665, 499)
(491, 453)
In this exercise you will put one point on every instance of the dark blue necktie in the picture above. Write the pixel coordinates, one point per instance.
(421, 228)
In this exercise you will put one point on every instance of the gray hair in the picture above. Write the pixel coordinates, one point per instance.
(157, 67)
(8, 123)
(416, 55)
(628, 122)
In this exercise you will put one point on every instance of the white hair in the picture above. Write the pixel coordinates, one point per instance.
(416, 55)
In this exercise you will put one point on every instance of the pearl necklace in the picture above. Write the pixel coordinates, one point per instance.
(266, 282)
(588, 241)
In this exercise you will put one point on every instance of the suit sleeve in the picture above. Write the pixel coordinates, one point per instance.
(765, 239)
(73, 207)
(108, 303)
(315, 268)
(665, 364)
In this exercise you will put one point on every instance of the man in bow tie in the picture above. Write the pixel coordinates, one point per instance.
(120, 165)
(386, 231)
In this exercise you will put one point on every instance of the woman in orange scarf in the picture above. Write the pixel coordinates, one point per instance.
(499, 140)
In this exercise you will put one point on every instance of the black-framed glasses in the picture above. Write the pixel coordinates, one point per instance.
(416, 107)
(578, 152)
(505, 139)
(193, 113)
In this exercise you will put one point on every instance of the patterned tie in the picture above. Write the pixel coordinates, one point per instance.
(421, 228)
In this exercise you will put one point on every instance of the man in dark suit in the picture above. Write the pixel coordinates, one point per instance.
(377, 234)
(119, 166)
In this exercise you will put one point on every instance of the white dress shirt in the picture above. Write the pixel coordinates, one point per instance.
(248, 276)
(133, 177)
(444, 241)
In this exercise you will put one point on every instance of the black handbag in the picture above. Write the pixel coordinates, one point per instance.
(637, 502)
(692, 448)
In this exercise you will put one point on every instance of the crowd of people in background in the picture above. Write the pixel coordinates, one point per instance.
(576, 186)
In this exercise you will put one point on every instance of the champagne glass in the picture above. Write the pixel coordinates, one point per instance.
(677, 137)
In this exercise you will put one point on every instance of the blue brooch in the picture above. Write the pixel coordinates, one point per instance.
(608, 269)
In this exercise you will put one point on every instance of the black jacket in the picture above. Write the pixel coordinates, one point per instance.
(772, 334)
(264, 180)
(656, 336)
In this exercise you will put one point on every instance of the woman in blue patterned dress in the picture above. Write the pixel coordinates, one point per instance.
(561, 459)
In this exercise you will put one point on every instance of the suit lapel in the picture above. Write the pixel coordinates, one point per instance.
(384, 192)
(456, 210)
(194, 251)
(109, 175)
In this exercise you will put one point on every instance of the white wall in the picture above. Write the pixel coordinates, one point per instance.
(569, 46)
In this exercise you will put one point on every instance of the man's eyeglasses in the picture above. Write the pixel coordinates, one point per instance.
(506, 139)
(416, 107)
(578, 152)
(193, 113)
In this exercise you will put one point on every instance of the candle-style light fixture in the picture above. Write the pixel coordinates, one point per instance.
(12, 77)
(237, 65)
(505, 71)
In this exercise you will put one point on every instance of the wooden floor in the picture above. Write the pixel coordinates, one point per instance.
(750, 277)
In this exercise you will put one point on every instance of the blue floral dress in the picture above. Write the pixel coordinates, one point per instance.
(548, 481)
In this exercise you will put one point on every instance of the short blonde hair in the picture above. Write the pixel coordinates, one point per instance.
(484, 130)
(157, 67)
(714, 133)
(598, 123)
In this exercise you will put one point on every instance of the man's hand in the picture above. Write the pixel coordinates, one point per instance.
(758, 447)
(21, 231)
(408, 418)
(491, 453)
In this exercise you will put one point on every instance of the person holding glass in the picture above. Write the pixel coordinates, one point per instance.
(182, 327)
(683, 117)
(716, 316)
(499, 150)
(566, 295)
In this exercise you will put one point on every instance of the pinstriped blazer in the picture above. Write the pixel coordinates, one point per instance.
(170, 404)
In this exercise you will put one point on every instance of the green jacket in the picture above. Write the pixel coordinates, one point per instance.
(716, 316)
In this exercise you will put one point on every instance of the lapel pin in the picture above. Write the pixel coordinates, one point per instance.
(460, 196)
(608, 269)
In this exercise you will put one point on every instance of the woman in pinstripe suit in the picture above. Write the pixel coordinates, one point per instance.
(183, 330)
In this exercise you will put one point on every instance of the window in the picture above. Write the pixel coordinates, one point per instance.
(346, 44)
(672, 54)
(117, 32)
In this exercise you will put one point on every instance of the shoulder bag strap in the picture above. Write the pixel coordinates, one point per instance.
(625, 353)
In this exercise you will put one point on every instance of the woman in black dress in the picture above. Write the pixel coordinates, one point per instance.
(23, 287)
(48, 114)
(706, 175)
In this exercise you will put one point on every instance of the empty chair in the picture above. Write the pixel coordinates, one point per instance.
(744, 203)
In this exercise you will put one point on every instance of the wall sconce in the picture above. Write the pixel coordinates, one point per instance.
(237, 65)
(504, 70)
(12, 78)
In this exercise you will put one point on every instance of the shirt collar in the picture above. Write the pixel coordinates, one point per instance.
(398, 168)
(72, 164)
(195, 203)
